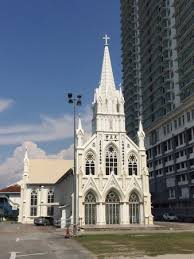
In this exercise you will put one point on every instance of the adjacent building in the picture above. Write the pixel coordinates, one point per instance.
(10, 201)
(131, 64)
(42, 188)
(164, 32)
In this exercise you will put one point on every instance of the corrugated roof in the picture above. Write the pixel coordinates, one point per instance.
(47, 171)
(12, 188)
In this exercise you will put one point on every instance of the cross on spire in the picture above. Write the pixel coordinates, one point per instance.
(106, 38)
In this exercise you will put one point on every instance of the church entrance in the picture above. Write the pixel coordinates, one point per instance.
(112, 208)
(134, 209)
(90, 209)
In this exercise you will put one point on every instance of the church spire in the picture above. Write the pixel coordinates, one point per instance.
(108, 104)
(141, 135)
(26, 163)
(107, 83)
(80, 133)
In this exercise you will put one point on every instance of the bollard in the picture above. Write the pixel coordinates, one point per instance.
(67, 234)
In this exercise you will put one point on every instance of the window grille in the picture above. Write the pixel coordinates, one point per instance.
(134, 209)
(112, 208)
(90, 209)
(111, 160)
(132, 165)
(33, 203)
(50, 196)
(90, 164)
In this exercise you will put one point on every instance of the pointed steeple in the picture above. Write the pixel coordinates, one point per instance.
(108, 104)
(26, 154)
(26, 163)
(80, 124)
(80, 133)
(141, 135)
(140, 125)
(107, 83)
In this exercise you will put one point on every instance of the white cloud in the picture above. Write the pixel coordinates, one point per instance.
(49, 129)
(64, 154)
(12, 169)
(5, 104)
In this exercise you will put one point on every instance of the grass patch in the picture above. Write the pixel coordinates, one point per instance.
(115, 245)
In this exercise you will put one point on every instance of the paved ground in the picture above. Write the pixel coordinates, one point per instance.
(31, 242)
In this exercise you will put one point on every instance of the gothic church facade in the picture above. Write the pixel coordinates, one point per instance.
(112, 174)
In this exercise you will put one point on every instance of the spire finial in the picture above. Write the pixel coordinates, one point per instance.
(26, 163)
(26, 153)
(79, 123)
(140, 123)
(106, 38)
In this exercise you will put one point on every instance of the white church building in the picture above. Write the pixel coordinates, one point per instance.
(111, 170)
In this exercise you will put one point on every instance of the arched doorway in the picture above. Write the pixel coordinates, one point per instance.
(90, 209)
(112, 208)
(134, 209)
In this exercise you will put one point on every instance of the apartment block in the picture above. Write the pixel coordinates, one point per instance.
(166, 102)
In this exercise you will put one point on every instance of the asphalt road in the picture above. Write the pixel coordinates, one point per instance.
(32, 242)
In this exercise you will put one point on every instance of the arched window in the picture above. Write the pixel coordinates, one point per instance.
(90, 209)
(112, 208)
(132, 165)
(33, 203)
(50, 196)
(134, 208)
(50, 199)
(111, 160)
(90, 164)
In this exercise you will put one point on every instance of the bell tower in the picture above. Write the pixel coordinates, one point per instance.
(108, 104)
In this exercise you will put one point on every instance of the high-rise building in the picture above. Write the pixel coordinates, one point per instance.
(131, 64)
(163, 31)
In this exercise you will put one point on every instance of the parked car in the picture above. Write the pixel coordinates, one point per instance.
(57, 223)
(43, 221)
(158, 217)
(186, 218)
(170, 217)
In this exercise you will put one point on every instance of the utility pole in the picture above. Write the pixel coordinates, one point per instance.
(76, 101)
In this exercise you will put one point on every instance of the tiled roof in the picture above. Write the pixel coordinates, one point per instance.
(12, 188)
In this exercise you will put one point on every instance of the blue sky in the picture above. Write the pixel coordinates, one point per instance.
(47, 49)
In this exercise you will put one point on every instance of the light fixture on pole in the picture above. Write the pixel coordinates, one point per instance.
(76, 101)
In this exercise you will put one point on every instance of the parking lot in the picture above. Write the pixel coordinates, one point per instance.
(31, 242)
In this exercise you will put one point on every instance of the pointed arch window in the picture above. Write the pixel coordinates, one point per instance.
(134, 209)
(51, 196)
(50, 199)
(111, 160)
(33, 203)
(132, 165)
(112, 208)
(90, 164)
(90, 209)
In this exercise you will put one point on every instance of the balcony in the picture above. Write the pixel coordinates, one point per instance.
(192, 155)
(183, 182)
(181, 159)
(168, 163)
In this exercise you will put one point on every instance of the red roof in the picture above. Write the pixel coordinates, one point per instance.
(12, 188)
